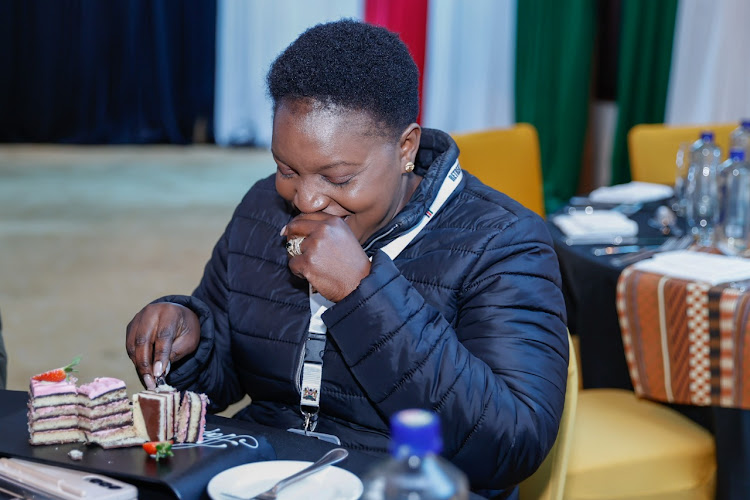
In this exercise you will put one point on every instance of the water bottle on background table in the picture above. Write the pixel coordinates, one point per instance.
(701, 189)
(733, 228)
(739, 138)
(415, 470)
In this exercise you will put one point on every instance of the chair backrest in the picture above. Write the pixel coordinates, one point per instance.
(548, 482)
(506, 159)
(653, 148)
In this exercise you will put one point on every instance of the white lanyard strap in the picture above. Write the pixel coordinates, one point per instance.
(312, 368)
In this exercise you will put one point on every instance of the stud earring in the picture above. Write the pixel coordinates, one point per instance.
(409, 166)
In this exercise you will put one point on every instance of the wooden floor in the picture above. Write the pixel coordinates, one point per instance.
(89, 235)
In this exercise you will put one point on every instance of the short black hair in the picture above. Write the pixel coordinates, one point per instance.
(354, 65)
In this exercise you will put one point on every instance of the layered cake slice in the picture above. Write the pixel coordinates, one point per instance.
(105, 415)
(155, 413)
(53, 414)
(191, 418)
(116, 437)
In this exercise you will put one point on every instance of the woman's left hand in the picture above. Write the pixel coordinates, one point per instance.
(332, 260)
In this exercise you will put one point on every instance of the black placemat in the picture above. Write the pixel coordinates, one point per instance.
(186, 474)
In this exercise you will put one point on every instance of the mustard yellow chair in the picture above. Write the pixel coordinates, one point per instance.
(506, 159)
(653, 148)
(627, 448)
(612, 445)
(548, 482)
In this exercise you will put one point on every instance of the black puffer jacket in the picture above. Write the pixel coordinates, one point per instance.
(468, 321)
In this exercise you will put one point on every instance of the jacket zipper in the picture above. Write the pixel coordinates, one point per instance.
(396, 226)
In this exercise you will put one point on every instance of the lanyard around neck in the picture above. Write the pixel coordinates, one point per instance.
(312, 366)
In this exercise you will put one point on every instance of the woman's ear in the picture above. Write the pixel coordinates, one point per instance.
(409, 143)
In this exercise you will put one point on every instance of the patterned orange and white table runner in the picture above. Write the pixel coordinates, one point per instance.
(685, 342)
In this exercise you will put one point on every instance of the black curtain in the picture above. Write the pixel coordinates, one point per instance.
(112, 71)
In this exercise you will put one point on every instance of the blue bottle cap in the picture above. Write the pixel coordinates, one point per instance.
(707, 136)
(745, 123)
(415, 432)
(737, 155)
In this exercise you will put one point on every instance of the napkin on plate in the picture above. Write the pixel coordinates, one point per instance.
(631, 192)
(599, 226)
(697, 266)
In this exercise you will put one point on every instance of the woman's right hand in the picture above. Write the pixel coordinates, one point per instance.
(158, 335)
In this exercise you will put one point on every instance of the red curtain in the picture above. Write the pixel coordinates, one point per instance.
(409, 20)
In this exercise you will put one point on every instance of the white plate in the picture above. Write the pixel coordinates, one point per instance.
(332, 483)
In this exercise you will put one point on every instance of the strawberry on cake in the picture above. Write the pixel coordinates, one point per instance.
(100, 413)
(53, 413)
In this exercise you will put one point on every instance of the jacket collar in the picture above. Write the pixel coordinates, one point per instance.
(436, 155)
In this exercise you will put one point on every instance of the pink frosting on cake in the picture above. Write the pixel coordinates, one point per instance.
(103, 410)
(202, 424)
(39, 388)
(52, 423)
(101, 385)
(102, 423)
(45, 411)
(115, 432)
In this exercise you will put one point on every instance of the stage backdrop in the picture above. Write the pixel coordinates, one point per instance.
(118, 71)
(151, 71)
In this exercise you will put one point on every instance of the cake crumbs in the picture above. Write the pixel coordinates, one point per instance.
(75, 454)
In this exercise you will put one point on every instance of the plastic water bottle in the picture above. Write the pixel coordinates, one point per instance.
(682, 162)
(701, 190)
(733, 229)
(739, 138)
(415, 470)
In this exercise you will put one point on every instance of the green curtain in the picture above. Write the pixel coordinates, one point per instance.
(646, 34)
(554, 47)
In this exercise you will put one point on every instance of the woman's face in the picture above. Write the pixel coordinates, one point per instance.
(338, 162)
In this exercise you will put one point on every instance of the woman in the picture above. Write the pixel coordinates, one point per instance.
(459, 310)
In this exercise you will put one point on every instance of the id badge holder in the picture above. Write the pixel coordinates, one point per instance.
(312, 374)
(328, 438)
(311, 421)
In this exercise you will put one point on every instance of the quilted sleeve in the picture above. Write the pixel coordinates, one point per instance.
(495, 374)
(210, 369)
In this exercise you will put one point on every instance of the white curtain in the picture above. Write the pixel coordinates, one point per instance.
(470, 65)
(709, 79)
(249, 36)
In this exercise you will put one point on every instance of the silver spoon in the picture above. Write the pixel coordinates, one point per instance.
(334, 456)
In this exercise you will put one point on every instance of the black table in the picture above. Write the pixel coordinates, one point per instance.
(589, 286)
(166, 480)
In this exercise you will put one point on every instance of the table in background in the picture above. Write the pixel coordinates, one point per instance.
(590, 288)
(686, 342)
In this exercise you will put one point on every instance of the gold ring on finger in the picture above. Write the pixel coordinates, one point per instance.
(293, 246)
